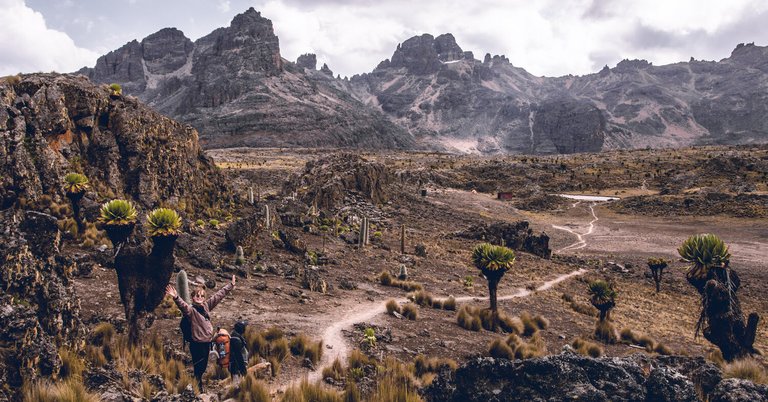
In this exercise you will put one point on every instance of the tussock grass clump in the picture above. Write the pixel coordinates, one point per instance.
(393, 307)
(257, 344)
(250, 389)
(449, 304)
(358, 359)
(95, 355)
(64, 391)
(587, 348)
(385, 278)
(352, 392)
(311, 392)
(335, 371)
(629, 336)
(746, 369)
(514, 347)
(279, 349)
(273, 334)
(422, 298)
(408, 286)
(274, 366)
(662, 349)
(72, 366)
(411, 312)
(715, 356)
(314, 352)
(437, 304)
(584, 308)
(605, 332)
(299, 344)
(467, 319)
(532, 324)
(513, 325)
(102, 334)
(423, 365)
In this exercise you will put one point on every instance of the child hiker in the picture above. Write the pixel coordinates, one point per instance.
(238, 363)
(200, 319)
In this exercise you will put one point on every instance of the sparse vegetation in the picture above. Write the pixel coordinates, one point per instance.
(746, 369)
(657, 266)
(410, 311)
(587, 348)
(514, 347)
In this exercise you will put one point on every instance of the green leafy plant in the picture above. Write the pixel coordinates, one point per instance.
(493, 261)
(603, 297)
(116, 89)
(369, 336)
(117, 212)
(163, 222)
(75, 183)
(704, 252)
(214, 223)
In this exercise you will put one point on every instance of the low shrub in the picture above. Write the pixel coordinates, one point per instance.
(746, 369)
(587, 348)
(393, 307)
(605, 332)
(410, 311)
(449, 304)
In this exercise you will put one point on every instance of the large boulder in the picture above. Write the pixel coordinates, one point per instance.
(517, 236)
(572, 377)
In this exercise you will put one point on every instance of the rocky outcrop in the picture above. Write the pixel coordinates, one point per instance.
(39, 308)
(235, 88)
(571, 377)
(450, 100)
(517, 236)
(307, 61)
(327, 182)
(51, 125)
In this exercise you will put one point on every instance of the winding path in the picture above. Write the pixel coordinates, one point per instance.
(580, 243)
(333, 336)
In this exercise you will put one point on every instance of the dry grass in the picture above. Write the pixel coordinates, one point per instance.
(385, 278)
(249, 389)
(273, 334)
(587, 348)
(512, 325)
(72, 366)
(279, 349)
(335, 371)
(746, 369)
(468, 319)
(605, 332)
(299, 344)
(514, 347)
(274, 366)
(411, 312)
(358, 359)
(64, 391)
(449, 304)
(352, 392)
(422, 298)
(423, 365)
(102, 334)
(314, 352)
(393, 307)
(311, 392)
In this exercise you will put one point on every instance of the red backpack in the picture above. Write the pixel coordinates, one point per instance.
(221, 347)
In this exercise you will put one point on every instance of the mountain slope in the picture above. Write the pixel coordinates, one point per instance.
(442, 94)
(234, 87)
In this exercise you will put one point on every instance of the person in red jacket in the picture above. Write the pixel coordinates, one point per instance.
(202, 330)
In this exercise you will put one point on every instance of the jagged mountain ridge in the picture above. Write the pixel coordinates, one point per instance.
(436, 90)
(237, 90)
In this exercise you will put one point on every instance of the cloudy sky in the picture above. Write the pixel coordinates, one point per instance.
(546, 37)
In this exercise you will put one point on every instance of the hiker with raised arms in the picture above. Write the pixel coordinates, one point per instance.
(201, 328)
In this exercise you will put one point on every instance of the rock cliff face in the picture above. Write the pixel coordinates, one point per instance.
(446, 97)
(40, 310)
(235, 88)
(51, 125)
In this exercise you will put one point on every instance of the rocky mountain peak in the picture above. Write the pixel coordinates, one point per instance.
(424, 54)
(166, 50)
(249, 18)
(307, 61)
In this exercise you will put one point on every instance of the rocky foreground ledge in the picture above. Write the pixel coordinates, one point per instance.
(573, 377)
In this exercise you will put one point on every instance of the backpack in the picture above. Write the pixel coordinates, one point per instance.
(243, 349)
(186, 323)
(221, 347)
